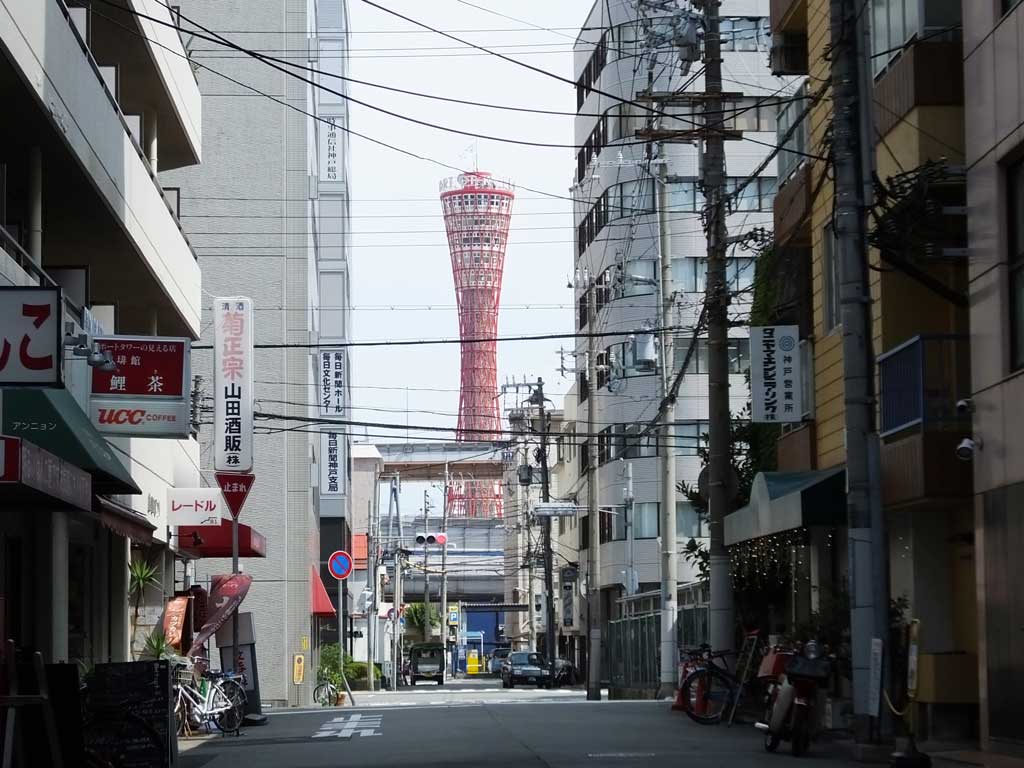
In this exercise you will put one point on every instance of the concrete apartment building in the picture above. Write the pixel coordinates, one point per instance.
(616, 194)
(993, 48)
(268, 219)
(95, 102)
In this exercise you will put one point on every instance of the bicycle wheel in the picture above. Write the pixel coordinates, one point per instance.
(231, 693)
(707, 694)
(323, 694)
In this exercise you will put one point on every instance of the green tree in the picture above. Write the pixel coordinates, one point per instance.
(142, 574)
(416, 615)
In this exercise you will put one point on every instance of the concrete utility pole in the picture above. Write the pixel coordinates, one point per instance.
(669, 556)
(593, 522)
(716, 303)
(545, 493)
(444, 567)
(869, 601)
(627, 510)
(427, 629)
(371, 574)
(396, 671)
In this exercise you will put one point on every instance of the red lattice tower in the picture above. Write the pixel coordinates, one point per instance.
(477, 209)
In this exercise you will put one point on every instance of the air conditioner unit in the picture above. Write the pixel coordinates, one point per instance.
(789, 54)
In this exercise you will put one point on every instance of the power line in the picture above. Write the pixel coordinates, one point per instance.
(566, 80)
(424, 342)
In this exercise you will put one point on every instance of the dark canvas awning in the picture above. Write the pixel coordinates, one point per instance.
(53, 420)
(123, 520)
(215, 540)
(782, 501)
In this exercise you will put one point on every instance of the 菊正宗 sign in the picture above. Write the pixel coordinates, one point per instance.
(147, 392)
(233, 374)
(776, 392)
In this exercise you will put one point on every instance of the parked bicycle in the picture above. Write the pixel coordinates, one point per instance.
(204, 697)
(325, 694)
(711, 692)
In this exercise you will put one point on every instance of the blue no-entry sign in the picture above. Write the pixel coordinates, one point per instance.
(340, 565)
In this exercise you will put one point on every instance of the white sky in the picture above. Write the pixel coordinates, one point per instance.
(396, 263)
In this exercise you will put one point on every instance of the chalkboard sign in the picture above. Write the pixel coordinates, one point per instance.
(131, 714)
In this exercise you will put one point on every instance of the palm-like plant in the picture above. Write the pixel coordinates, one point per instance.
(141, 574)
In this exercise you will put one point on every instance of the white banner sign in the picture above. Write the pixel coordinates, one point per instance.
(776, 394)
(332, 464)
(233, 374)
(31, 336)
(196, 506)
(331, 387)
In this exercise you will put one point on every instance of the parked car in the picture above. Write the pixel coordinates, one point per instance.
(497, 659)
(525, 667)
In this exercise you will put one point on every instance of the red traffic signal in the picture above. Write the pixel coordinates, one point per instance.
(431, 539)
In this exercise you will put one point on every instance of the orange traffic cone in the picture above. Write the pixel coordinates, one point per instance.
(679, 705)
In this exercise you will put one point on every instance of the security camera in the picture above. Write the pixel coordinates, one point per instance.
(965, 450)
(966, 405)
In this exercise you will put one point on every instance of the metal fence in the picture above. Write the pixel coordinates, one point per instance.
(634, 651)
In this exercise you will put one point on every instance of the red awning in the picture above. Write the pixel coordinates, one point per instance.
(318, 595)
(359, 551)
(215, 540)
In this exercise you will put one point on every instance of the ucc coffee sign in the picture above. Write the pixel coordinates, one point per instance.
(148, 393)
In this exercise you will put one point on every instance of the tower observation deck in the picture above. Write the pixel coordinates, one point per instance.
(477, 209)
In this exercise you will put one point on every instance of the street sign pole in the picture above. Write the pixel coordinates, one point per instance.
(235, 487)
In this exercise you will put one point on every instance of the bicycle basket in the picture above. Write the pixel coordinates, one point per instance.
(814, 669)
(184, 674)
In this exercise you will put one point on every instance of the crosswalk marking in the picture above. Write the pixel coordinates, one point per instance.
(348, 726)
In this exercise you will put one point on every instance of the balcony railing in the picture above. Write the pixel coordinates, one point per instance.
(920, 382)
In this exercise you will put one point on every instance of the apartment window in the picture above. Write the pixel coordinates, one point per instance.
(618, 521)
(758, 195)
(683, 196)
(1015, 231)
(604, 446)
(688, 521)
(739, 355)
(896, 22)
(603, 289)
(750, 114)
(790, 113)
(830, 273)
(635, 446)
(584, 456)
(603, 374)
(690, 436)
(638, 278)
(745, 33)
(645, 520)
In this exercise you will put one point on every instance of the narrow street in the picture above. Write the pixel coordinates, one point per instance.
(481, 724)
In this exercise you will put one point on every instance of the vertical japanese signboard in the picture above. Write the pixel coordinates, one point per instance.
(776, 392)
(233, 374)
(332, 464)
(31, 338)
(331, 375)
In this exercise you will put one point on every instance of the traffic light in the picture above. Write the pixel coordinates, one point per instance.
(431, 539)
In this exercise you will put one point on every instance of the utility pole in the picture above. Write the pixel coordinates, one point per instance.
(537, 398)
(716, 303)
(444, 568)
(669, 567)
(869, 601)
(627, 510)
(371, 582)
(396, 618)
(427, 631)
(593, 522)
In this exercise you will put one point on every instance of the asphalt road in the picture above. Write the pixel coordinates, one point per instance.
(474, 725)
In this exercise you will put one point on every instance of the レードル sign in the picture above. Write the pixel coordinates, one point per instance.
(332, 464)
(31, 339)
(195, 506)
(331, 387)
(233, 374)
(776, 391)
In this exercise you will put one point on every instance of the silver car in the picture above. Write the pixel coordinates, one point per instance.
(497, 659)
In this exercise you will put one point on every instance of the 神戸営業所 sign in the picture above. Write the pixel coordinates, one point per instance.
(776, 383)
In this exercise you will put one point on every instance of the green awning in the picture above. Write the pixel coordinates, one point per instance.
(782, 501)
(51, 419)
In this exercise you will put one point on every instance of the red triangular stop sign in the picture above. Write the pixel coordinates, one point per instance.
(235, 487)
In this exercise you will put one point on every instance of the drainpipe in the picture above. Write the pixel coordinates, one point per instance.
(35, 205)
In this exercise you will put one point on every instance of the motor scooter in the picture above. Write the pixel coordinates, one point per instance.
(791, 702)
